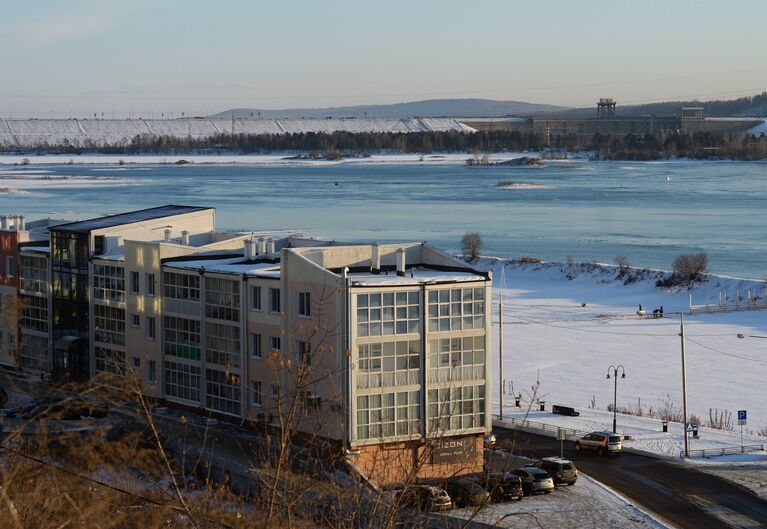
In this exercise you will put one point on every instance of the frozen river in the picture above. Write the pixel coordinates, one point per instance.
(649, 212)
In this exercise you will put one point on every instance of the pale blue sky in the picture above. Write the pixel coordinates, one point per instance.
(201, 56)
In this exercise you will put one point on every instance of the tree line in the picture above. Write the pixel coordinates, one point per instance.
(700, 145)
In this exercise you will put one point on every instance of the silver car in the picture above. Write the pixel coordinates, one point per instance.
(534, 480)
(602, 442)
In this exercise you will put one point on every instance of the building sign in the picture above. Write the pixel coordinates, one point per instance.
(453, 449)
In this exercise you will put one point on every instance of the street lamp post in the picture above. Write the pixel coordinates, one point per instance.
(615, 393)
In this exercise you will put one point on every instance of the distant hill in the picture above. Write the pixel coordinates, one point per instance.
(751, 106)
(449, 108)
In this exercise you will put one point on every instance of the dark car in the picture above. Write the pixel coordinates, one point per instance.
(562, 471)
(426, 498)
(502, 486)
(535, 480)
(465, 492)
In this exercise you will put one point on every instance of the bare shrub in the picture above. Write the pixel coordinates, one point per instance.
(570, 260)
(691, 266)
(720, 420)
(528, 260)
(471, 245)
(623, 263)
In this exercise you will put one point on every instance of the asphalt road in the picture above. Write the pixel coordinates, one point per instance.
(673, 492)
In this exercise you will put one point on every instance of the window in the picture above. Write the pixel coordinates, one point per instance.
(274, 343)
(222, 299)
(304, 304)
(275, 391)
(222, 344)
(34, 274)
(182, 381)
(34, 313)
(135, 320)
(389, 364)
(9, 270)
(99, 246)
(255, 345)
(181, 286)
(388, 415)
(456, 408)
(311, 401)
(223, 391)
(274, 300)
(149, 278)
(181, 337)
(110, 325)
(255, 298)
(453, 359)
(134, 279)
(255, 392)
(304, 350)
(151, 371)
(387, 313)
(136, 362)
(108, 282)
(110, 361)
(456, 309)
(150, 330)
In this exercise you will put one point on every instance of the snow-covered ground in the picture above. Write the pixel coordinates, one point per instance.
(564, 325)
(552, 337)
(585, 504)
(284, 159)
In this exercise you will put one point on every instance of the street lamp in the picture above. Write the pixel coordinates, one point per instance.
(615, 394)
(740, 335)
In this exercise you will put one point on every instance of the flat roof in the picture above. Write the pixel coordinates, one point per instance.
(413, 276)
(130, 217)
(231, 265)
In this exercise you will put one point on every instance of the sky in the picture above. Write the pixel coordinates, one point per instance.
(120, 58)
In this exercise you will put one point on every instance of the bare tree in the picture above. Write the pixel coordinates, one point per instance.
(691, 266)
(471, 245)
(623, 263)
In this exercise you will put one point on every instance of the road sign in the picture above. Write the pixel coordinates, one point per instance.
(688, 427)
(742, 417)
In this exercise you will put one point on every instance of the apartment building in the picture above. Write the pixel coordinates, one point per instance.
(379, 350)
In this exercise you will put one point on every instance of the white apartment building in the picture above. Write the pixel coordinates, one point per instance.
(383, 348)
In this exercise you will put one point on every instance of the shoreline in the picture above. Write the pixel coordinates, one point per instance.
(289, 158)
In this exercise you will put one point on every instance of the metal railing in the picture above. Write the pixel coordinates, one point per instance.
(730, 450)
(570, 433)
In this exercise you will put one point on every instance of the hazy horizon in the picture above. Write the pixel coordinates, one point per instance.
(86, 57)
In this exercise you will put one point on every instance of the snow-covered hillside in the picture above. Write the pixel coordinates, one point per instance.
(564, 325)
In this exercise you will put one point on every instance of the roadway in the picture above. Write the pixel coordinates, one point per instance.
(673, 492)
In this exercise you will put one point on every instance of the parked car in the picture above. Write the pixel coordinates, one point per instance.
(426, 498)
(602, 442)
(465, 492)
(562, 471)
(535, 480)
(502, 486)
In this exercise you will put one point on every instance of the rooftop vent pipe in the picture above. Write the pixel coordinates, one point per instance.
(375, 260)
(185, 238)
(250, 249)
(401, 262)
(261, 246)
(270, 246)
(22, 224)
(4, 222)
(167, 234)
(15, 223)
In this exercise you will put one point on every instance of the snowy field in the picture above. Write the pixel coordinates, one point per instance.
(551, 337)
(585, 504)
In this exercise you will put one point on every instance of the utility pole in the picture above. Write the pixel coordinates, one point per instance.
(500, 355)
(684, 388)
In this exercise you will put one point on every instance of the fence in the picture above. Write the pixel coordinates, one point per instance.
(549, 430)
(743, 300)
(730, 450)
